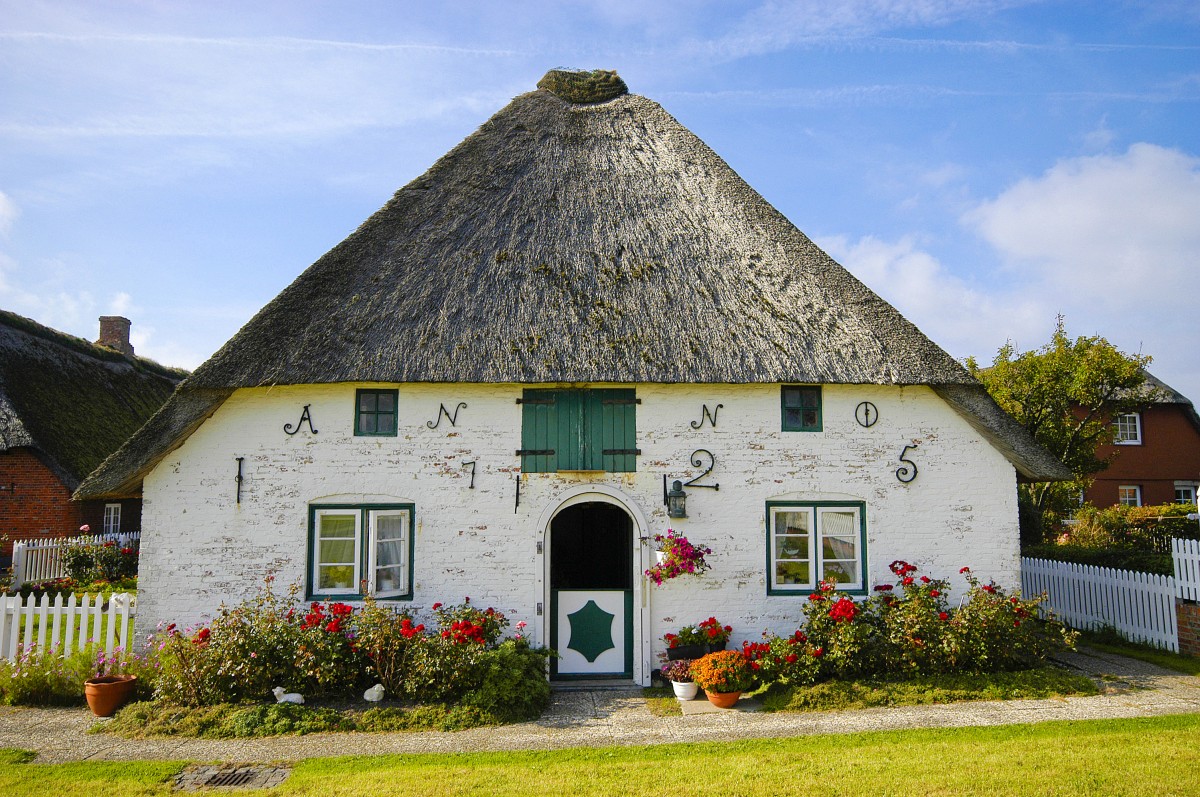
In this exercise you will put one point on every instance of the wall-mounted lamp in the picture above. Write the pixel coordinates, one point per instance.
(677, 500)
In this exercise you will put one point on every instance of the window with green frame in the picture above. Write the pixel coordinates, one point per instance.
(592, 429)
(358, 550)
(811, 542)
(375, 412)
(801, 408)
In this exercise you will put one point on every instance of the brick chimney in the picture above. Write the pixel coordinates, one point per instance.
(114, 333)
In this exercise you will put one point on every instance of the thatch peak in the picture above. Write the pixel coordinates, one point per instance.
(583, 87)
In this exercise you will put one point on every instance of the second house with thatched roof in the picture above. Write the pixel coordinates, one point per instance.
(488, 388)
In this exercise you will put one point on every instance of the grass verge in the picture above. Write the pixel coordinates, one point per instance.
(1158, 756)
(841, 695)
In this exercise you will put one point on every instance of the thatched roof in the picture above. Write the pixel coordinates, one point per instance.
(568, 241)
(1165, 394)
(71, 401)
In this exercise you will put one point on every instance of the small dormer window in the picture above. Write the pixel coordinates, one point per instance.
(375, 413)
(801, 407)
(1127, 429)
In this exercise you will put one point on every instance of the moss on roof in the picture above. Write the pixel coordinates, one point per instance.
(72, 400)
(581, 86)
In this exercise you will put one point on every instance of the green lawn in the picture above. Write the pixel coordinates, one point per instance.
(1156, 756)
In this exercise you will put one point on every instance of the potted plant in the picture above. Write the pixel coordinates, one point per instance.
(676, 556)
(694, 641)
(679, 673)
(723, 676)
(105, 691)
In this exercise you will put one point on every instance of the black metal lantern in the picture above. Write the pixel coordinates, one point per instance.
(677, 500)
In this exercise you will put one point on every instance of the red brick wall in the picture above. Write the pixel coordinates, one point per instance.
(1170, 450)
(1187, 613)
(38, 506)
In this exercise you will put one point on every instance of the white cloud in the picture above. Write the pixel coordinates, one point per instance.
(1119, 230)
(957, 316)
(120, 304)
(8, 213)
(1112, 241)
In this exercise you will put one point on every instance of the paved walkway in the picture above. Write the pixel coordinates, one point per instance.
(619, 716)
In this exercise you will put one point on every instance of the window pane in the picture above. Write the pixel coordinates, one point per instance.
(841, 572)
(791, 397)
(838, 548)
(336, 526)
(367, 402)
(841, 524)
(335, 577)
(336, 551)
(389, 553)
(791, 547)
(791, 573)
(794, 417)
(389, 579)
(810, 417)
(384, 424)
(390, 527)
(792, 522)
(386, 402)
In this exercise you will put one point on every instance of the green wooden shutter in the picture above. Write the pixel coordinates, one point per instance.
(568, 431)
(615, 414)
(539, 413)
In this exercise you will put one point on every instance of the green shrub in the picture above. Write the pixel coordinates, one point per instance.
(249, 649)
(909, 628)
(278, 719)
(387, 638)
(1141, 528)
(512, 685)
(1122, 557)
(87, 562)
(50, 679)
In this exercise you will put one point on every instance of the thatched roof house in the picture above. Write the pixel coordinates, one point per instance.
(573, 242)
(68, 404)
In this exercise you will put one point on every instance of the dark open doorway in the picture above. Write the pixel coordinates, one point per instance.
(591, 547)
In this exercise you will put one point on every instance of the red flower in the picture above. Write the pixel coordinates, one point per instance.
(818, 652)
(964, 570)
(924, 579)
(884, 587)
(437, 606)
(1016, 623)
(943, 616)
(933, 593)
(333, 626)
(988, 588)
(792, 658)
(843, 610)
(126, 551)
(202, 637)
(907, 581)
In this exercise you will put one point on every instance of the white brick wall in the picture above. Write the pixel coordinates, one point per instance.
(200, 547)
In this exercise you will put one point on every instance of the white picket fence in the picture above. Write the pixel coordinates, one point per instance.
(1139, 605)
(1186, 554)
(64, 626)
(41, 560)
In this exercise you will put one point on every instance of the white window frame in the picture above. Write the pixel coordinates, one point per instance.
(112, 519)
(1136, 490)
(816, 511)
(366, 554)
(1127, 429)
(1189, 488)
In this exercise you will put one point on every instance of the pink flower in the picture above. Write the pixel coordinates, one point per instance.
(85, 528)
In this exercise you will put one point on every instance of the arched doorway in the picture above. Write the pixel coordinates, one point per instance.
(591, 591)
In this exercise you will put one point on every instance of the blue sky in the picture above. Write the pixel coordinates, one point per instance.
(984, 166)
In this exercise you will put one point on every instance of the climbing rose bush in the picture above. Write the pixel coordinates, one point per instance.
(909, 627)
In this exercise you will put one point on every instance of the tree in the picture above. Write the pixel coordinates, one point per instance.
(1066, 394)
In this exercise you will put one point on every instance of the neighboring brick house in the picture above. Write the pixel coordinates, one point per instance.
(487, 388)
(65, 405)
(1156, 457)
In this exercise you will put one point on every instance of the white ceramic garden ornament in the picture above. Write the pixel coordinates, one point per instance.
(374, 694)
(287, 697)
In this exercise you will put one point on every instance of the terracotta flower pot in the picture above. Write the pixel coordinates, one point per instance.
(684, 690)
(723, 699)
(107, 693)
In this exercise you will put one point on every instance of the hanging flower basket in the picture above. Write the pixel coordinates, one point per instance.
(676, 556)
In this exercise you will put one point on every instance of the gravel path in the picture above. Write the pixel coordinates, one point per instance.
(619, 716)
